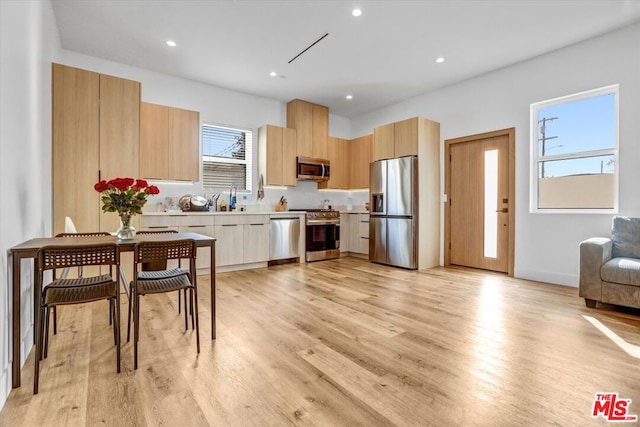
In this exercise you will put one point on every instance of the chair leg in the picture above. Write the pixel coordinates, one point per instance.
(178, 301)
(46, 332)
(55, 320)
(112, 308)
(111, 312)
(36, 375)
(136, 328)
(131, 301)
(186, 322)
(116, 323)
(191, 296)
(195, 309)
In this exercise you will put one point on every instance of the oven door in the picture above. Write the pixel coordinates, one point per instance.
(322, 237)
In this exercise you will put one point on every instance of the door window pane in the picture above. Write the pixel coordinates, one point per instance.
(491, 203)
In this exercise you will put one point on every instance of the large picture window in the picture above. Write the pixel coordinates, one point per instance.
(574, 151)
(226, 158)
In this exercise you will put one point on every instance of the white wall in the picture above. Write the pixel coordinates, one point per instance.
(546, 244)
(28, 38)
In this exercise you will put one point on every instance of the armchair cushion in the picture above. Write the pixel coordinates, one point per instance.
(625, 235)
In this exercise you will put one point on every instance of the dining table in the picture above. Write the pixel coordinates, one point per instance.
(29, 250)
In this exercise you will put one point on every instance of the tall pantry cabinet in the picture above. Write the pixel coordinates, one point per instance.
(96, 133)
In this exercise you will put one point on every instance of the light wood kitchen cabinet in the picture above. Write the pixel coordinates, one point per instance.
(154, 140)
(311, 122)
(277, 155)
(169, 143)
(363, 234)
(406, 137)
(384, 142)
(230, 240)
(396, 139)
(345, 232)
(340, 164)
(256, 241)
(360, 156)
(95, 135)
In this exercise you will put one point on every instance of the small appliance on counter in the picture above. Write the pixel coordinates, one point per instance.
(189, 203)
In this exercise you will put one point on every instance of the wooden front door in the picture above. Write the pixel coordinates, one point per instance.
(480, 201)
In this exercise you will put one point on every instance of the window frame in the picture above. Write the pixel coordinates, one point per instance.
(535, 158)
(248, 161)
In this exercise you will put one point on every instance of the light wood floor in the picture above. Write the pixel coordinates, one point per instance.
(341, 343)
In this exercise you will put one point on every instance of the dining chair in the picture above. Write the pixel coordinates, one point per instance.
(78, 290)
(65, 273)
(160, 270)
(146, 282)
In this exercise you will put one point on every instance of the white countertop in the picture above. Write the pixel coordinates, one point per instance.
(180, 213)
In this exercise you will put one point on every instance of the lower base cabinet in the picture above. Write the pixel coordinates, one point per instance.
(354, 233)
(240, 239)
(256, 242)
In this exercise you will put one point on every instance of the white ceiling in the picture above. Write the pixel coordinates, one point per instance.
(384, 56)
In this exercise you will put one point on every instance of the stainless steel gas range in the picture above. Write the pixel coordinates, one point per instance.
(322, 232)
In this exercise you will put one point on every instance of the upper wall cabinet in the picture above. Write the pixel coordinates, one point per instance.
(169, 143)
(338, 156)
(396, 139)
(311, 122)
(360, 156)
(95, 135)
(277, 155)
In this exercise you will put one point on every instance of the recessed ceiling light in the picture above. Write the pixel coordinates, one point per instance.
(171, 43)
(440, 60)
(356, 12)
(273, 74)
(349, 96)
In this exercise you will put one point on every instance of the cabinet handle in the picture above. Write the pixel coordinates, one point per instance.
(257, 224)
(229, 225)
(158, 226)
(196, 226)
(362, 237)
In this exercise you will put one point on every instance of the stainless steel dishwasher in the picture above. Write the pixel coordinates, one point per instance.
(284, 234)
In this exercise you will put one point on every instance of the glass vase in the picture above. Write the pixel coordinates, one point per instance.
(126, 230)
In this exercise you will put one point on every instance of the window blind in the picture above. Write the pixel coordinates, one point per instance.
(226, 158)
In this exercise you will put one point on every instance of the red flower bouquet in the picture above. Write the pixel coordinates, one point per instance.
(125, 195)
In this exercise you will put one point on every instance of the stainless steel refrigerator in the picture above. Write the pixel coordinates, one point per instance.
(393, 221)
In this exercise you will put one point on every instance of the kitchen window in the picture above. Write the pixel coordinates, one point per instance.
(226, 158)
(574, 153)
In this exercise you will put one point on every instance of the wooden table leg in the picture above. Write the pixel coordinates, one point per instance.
(213, 290)
(14, 263)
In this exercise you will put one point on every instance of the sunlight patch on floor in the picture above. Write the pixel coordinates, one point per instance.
(631, 349)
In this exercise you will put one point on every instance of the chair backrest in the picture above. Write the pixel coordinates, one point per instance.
(164, 250)
(59, 256)
(69, 226)
(76, 234)
(156, 265)
(163, 231)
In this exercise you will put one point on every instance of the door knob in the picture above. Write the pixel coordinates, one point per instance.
(503, 210)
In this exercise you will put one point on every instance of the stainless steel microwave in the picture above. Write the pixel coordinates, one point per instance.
(309, 169)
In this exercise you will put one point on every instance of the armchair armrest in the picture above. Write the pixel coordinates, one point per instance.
(594, 253)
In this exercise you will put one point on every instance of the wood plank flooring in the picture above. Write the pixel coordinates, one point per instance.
(341, 343)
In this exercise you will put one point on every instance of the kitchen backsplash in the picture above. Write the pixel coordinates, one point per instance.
(303, 196)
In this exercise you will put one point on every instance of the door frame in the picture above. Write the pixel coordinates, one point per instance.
(511, 137)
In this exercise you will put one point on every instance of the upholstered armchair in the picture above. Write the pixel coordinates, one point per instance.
(610, 267)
